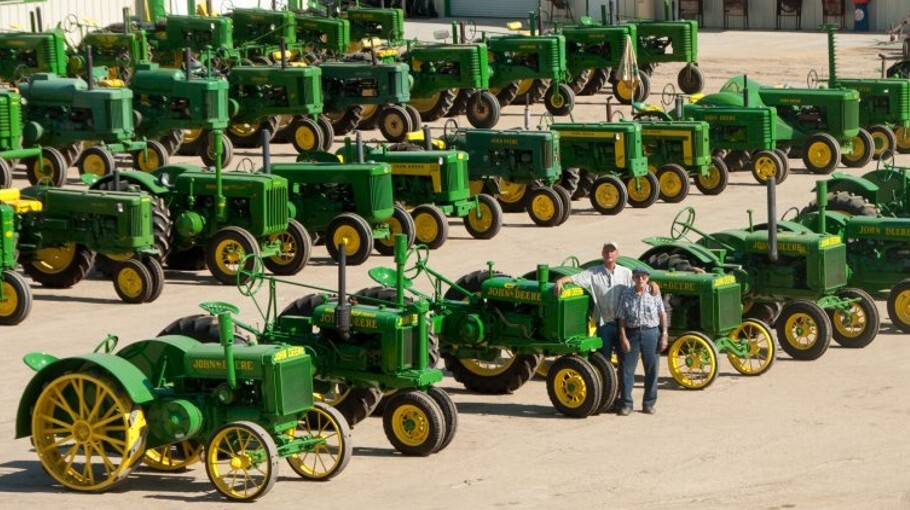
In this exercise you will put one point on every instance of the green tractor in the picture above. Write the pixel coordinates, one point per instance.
(679, 150)
(211, 38)
(884, 106)
(369, 23)
(361, 347)
(799, 278)
(174, 400)
(15, 293)
(11, 149)
(25, 53)
(119, 51)
(260, 33)
(323, 36)
(436, 185)
(65, 112)
(610, 163)
(494, 330)
(665, 41)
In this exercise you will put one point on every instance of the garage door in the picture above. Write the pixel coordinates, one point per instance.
(511, 9)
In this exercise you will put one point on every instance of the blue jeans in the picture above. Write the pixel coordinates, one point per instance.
(609, 333)
(644, 342)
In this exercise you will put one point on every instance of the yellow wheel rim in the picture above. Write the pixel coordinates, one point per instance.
(305, 138)
(481, 219)
(85, 433)
(489, 368)
(557, 100)
(765, 167)
(394, 228)
(544, 368)
(427, 230)
(411, 425)
(476, 186)
(570, 388)
(325, 457)
(394, 125)
(670, 184)
(54, 260)
(819, 154)
(337, 394)
(543, 207)
(761, 348)
(369, 110)
(623, 91)
(652, 168)
(511, 193)
(425, 104)
(243, 130)
(232, 459)
(287, 248)
(44, 172)
(148, 160)
(191, 135)
(881, 142)
(903, 138)
(641, 190)
(95, 164)
(129, 281)
(10, 300)
(902, 306)
(712, 179)
(801, 331)
(859, 149)
(284, 121)
(607, 196)
(524, 86)
(334, 116)
(852, 324)
(173, 457)
(228, 256)
(350, 237)
(691, 362)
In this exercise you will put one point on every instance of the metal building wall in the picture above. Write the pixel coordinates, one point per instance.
(103, 12)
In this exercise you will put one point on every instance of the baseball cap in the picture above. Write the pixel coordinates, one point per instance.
(613, 244)
(641, 270)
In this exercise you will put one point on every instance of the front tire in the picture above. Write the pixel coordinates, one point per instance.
(559, 99)
(574, 387)
(431, 226)
(356, 235)
(133, 282)
(17, 299)
(673, 182)
(294, 251)
(242, 474)
(400, 223)
(861, 328)
(803, 330)
(899, 306)
(483, 112)
(545, 207)
(485, 221)
(715, 180)
(413, 423)
(608, 195)
(821, 154)
(643, 191)
(863, 150)
(756, 337)
(51, 173)
(394, 123)
(226, 255)
(692, 361)
(329, 457)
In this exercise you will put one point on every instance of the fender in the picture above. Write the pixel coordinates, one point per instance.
(703, 255)
(860, 186)
(130, 378)
(147, 181)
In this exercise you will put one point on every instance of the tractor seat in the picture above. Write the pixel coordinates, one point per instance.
(12, 198)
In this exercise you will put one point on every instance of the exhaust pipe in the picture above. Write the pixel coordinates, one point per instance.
(821, 199)
(282, 47)
(746, 90)
(772, 219)
(359, 141)
(126, 20)
(187, 57)
(89, 62)
(343, 310)
(427, 142)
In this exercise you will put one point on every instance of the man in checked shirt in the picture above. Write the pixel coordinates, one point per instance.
(642, 330)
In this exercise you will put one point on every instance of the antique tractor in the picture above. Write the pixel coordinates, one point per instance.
(435, 183)
(361, 347)
(494, 330)
(211, 38)
(803, 271)
(26, 53)
(666, 41)
(609, 154)
(259, 35)
(322, 35)
(15, 293)
(11, 148)
(886, 190)
(520, 168)
(884, 105)
(345, 204)
(374, 23)
(173, 400)
(819, 125)
(64, 112)
(120, 52)
(678, 150)
(593, 49)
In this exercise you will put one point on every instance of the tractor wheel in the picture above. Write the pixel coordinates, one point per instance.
(821, 153)
(436, 106)
(643, 191)
(460, 104)
(132, 281)
(545, 207)
(6, 174)
(569, 180)
(95, 447)
(803, 330)
(173, 457)
(60, 267)
(227, 251)
(673, 183)
(609, 195)
(623, 93)
(566, 199)
(532, 92)
(328, 132)
(736, 160)
(172, 141)
(306, 135)
(485, 221)
(207, 150)
(507, 94)
(755, 336)
(513, 197)
(192, 259)
(413, 423)
(899, 306)
(370, 117)
(766, 164)
(715, 181)
(585, 183)
(883, 139)
(861, 327)
(346, 121)
(53, 170)
(241, 460)
(152, 157)
(394, 123)
(596, 82)
(190, 140)
(353, 230)
(430, 226)
(903, 140)
(579, 80)
(846, 203)
(283, 133)
(449, 414)
(248, 136)
(690, 79)
(400, 223)
(414, 115)
(503, 375)
(294, 251)
(483, 112)
(574, 387)
(559, 99)
(354, 404)
(608, 377)
(329, 457)
(863, 150)
(692, 360)
(202, 328)
(785, 159)
(71, 153)
(764, 312)
(16, 302)
(156, 271)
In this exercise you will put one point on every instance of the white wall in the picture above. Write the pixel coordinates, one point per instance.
(102, 12)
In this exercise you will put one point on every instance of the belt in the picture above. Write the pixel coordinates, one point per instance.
(640, 328)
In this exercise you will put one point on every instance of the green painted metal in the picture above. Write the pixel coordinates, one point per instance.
(26, 53)
(596, 46)
(169, 101)
(602, 148)
(258, 32)
(520, 157)
(11, 129)
(119, 52)
(437, 66)
(347, 84)
(666, 41)
(520, 57)
(211, 38)
(370, 22)
(264, 92)
(321, 33)
(685, 143)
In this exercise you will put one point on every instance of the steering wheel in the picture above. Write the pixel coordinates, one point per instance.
(70, 23)
(256, 276)
(546, 120)
(786, 215)
(668, 96)
(226, 5)
(108, 344)
(617, 113)
(469, 36)
(21, 72)
(681, 226)
(246, 165)
(448, 131)
(812, 79)
(571, 261)
(217, 307)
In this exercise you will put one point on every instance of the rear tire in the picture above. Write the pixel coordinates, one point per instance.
(490, 221)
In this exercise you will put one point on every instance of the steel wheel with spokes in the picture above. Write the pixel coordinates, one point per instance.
(692, 360)
(241, 460)
(755, 336)
(329, 446)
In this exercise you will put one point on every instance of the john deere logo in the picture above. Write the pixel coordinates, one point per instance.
(509, 291)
